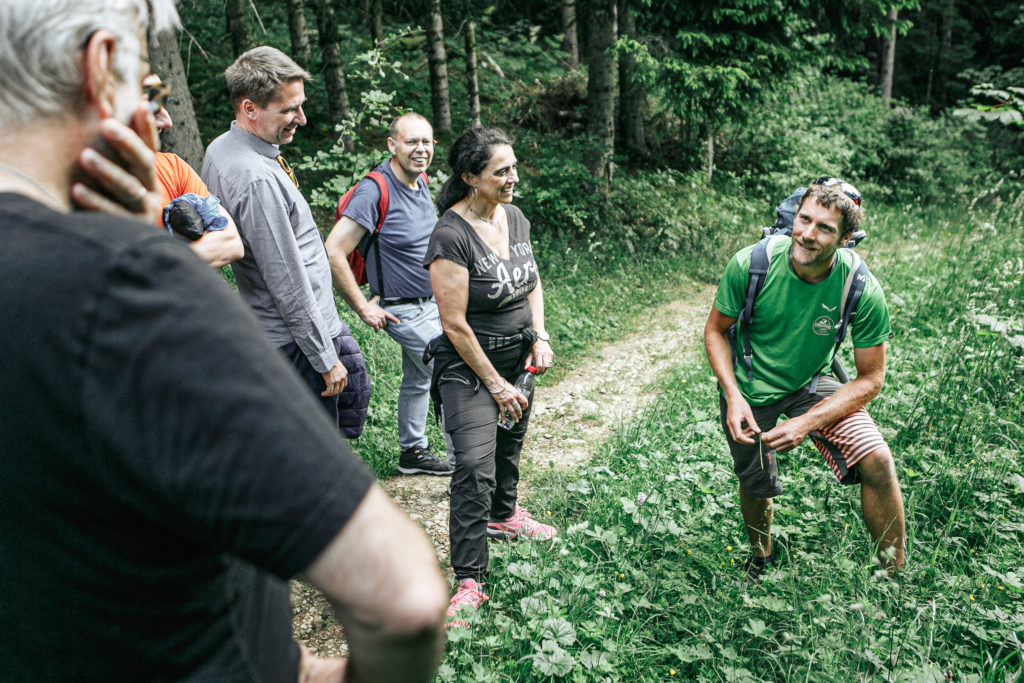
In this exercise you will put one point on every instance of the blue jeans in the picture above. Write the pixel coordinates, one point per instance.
(419, 323)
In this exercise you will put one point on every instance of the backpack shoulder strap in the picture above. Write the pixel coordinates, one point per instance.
(760, 261)
(853, 289)
(382, 206)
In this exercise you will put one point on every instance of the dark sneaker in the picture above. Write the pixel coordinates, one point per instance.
(755, 566)
(422, 461)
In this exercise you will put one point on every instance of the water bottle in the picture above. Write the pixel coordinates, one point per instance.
(524, 385)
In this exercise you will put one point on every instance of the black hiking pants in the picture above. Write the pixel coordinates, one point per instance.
(484, 485)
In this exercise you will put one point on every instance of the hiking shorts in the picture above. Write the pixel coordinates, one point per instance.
(843, 443)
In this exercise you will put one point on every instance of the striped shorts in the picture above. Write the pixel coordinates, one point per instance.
(842, 443)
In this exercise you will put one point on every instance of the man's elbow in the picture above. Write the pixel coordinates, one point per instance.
(418, 605)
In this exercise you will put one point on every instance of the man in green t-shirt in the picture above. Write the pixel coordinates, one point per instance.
(792, 334)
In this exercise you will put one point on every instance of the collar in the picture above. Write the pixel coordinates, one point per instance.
(257, 144)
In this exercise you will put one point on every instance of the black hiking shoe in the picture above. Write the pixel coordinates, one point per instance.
(422, 461)
(754, 567)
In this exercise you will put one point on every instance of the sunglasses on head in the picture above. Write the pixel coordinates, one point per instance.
(844, 187)
(156, 94)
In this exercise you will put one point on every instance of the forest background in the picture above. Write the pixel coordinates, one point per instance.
(654, 139)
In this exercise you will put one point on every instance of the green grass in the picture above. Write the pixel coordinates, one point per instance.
(585, 305)
(649, 592)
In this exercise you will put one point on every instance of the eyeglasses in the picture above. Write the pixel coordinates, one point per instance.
(416, 143)
(155, 95)
(844, 187)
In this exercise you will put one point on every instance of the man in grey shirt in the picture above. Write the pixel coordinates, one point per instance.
(402, 301)
(284, 276)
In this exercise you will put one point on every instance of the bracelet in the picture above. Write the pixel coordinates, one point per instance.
(501, 389)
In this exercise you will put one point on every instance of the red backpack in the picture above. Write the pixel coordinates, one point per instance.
(357, 259)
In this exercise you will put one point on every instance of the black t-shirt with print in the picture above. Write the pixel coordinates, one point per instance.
(498, 287)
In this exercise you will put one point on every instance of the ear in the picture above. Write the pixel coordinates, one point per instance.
(392, 146)
(98, 78)
(470, 179)
(248, 108)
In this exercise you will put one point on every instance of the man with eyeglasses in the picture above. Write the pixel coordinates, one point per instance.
(163, 473)
(284, 276)
(402, 302)
(214, 241)
(792, 336)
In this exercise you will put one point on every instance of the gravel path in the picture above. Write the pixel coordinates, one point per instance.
(570, 420)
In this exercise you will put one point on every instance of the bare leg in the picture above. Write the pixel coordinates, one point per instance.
(757, 516)
(881, 504)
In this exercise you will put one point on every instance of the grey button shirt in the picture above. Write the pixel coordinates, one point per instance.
(284, 276)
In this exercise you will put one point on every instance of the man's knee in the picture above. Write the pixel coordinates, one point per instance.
(877, 468)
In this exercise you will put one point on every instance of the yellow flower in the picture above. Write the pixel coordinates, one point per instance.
(622, 576)
(729, 548)
(970, 597)
(671, 672)
(999, 587)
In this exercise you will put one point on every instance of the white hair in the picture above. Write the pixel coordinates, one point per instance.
(41, 43)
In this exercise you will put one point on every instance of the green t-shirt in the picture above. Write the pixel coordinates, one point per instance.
(794, 326)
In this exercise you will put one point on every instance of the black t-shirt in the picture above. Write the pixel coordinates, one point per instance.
(498, 287)
(162, 470)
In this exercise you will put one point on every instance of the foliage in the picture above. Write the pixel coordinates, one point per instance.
(644, 581)
(1006, 107)
(812, 126)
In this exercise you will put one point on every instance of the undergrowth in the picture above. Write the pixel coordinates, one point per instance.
(644, 582)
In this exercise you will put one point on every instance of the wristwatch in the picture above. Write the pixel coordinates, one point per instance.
(543, 336)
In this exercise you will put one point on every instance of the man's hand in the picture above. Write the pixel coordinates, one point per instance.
(336, 378)
(375, 316)
(740, 421)
(125, 185)
(787, 435)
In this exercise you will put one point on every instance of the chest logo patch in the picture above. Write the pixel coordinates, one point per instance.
(823, 326)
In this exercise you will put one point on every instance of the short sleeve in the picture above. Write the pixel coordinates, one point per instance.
(731, 295)
(364, 205)
(448, 242)
(871, 325)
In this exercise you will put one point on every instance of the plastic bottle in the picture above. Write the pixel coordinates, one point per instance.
(524, 385)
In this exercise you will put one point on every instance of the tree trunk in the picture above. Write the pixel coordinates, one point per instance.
(632, 98)
(602, 69)
(238, 29)
(946, 46)
(570, 44)
(334, 74)
(709, 152)
(374, 18)
(298, 32)
(183, 137)
(438, 60)
(889, 57)
(471, 80)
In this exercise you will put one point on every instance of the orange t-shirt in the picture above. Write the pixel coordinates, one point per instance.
(176, 178)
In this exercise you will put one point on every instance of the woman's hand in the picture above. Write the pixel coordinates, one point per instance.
(541, 356)
(510, 402)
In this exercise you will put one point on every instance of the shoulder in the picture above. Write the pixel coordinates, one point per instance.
(515, 213)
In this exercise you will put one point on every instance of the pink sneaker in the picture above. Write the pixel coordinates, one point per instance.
(469, 594)
(520, 525)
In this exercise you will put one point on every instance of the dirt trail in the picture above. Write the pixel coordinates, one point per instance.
(570, 420)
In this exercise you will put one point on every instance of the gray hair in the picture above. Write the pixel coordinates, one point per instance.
(257, 74)
(41, 42)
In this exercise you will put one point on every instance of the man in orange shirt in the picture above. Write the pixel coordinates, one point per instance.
(176, 178)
